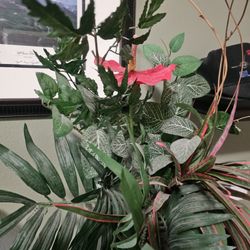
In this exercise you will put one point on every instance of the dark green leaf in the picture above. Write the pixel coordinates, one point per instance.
(61, 124)
(87, 83)
(176, 42)
(140, 39)
(6, 196)
(112, 26)
(52, 16)
(186, 65)
(47, 235)
(45, 62)
(67, 164)
(87, 196)
(24, 170)
(10, 221)
(65, 232)
(128, 243)
(28, 232)
(98, 217)
(44, 165)
(151, 21)
(87, 22)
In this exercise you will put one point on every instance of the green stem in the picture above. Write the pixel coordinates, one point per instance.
(143, 173)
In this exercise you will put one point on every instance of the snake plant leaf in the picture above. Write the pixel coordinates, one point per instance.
(44, 165)
(51, 16)
(184, 148)
(176, 42)
(87, 22)
(6, 196)
(24, 170)
(177, 125)
(66, 232)
(46, 236)
(112, 26)
(28, 232)
(67, 164)
(10, 221)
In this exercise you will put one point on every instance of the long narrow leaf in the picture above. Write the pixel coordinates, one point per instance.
(65, 232)
(47, 234)
(27, 234)
(10, 221)
(6, 196)
(24, 170)
(67, 164)
(44, 165)
(98, 217)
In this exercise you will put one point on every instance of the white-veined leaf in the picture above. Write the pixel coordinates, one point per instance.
(119, 145)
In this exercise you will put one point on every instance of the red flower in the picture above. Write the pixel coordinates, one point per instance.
(248, 52)
(149, 77)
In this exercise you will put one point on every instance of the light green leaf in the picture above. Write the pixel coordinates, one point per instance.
(24, 170)
(184, 148)
(176, 42)
(44, 165)
(178, 126)
(128, 243)
(155, 54)
(47, 84)
(186, 65)
(147, 247)
(61, 124)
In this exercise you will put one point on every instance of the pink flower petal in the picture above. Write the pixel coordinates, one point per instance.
(113, 65)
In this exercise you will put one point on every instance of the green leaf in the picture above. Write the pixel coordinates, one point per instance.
(153, 116)
(151, 21)
(195, 86)
(47, 235)
(147, 247)
(47, 84)
(87, 83)
(119, 146)
(128, 243)
(98, 137)
(158, 163)
(24, 170)
(6, 196)
(51, 16)
(65, 232)
(44, 165)
(129, 186)
(87, 22)
(94, 216)
(10, 221)
(186, 65)
(67, 164)
(44, 61)
(61, 124)
(176, 42)
(178, 126)
(155, 54)
(140, 39)
(154, 6)
(184, 148)
(93, 194)
(28, 232)
(112, 26)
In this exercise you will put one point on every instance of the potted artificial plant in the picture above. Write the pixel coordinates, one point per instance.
(149, 171)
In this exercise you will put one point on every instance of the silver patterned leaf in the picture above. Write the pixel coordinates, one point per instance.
(184, 148)
(178, 126)
(158, 163)
(119, 145)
